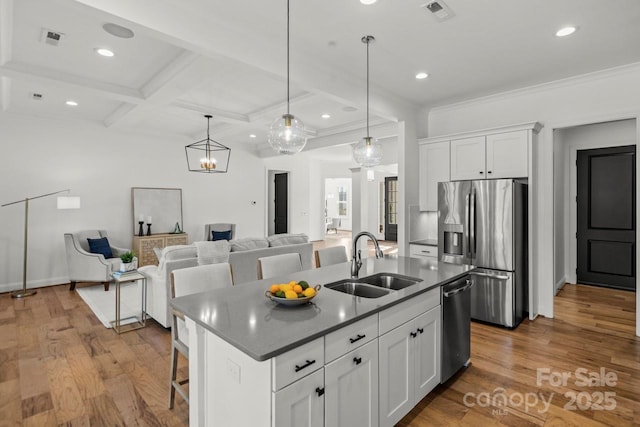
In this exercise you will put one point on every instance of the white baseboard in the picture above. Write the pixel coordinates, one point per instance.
(8, 287)
(559, 285)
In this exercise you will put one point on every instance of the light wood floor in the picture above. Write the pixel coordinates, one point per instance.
(60, 366)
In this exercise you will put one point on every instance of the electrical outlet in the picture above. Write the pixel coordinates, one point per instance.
(233, 369)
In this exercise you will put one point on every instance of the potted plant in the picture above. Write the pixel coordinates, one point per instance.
(129, 261)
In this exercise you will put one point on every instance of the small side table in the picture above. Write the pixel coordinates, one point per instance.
(141, 321)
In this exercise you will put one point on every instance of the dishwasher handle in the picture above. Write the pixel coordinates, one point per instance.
(490, 275)
(468, 284)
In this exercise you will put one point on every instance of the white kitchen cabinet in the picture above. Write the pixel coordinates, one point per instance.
(506, 155)
(300, 403)
(434, 167)
(409, 365)
(468, 158)
(499, 155)
(423, 251)
(351, 388)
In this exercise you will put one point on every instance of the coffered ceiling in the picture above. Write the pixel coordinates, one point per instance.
(227, 58)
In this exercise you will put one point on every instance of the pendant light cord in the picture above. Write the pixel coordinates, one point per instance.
(287, 57)
(368, 41)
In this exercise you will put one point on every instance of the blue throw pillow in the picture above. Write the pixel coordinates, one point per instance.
(221, 235)
(100, 246)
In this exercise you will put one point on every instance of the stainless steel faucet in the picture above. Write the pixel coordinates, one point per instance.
(356, 259)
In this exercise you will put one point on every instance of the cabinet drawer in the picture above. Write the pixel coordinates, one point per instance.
(423, 250)
(350, 337)
(297, 363)
(407, 310)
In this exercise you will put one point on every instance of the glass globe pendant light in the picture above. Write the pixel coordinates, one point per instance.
(368, 151)
(286, 134)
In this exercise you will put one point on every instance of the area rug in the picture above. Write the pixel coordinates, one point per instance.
(103, 304)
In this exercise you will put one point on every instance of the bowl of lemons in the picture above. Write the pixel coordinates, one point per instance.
(292, 293)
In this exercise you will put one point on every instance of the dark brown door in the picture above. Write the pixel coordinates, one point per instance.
(281, 203)
(607, 217)
(391, 208)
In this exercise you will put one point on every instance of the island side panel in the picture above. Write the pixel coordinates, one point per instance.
(231, 387)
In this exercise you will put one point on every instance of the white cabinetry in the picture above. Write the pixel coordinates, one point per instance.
(499, 155)
(351, 384)
(507, 155)
(468, 158)
(300, 403)
(422, 251)
(434, 168)
(409, 360)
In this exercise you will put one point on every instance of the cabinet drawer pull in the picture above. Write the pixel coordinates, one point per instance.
(426, 252)
(357, 360)
(320, 391)
(481, 172)
(420, 330)
(488, 171)
(309, 363)
(357, 338)
(413, 334)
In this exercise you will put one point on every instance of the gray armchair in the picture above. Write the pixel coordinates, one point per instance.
(85, 266)
(208, 228)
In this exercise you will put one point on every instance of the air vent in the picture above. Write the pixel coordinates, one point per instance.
(439, 10)
(51, 37)
(36, 96)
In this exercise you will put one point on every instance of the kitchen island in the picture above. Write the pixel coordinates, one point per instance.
(254, 362)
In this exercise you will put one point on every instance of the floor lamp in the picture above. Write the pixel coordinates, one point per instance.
(24, 292)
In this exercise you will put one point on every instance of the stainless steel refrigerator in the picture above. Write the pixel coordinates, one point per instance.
(484, 223)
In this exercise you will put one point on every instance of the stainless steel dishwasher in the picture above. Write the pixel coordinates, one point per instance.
(456, 326)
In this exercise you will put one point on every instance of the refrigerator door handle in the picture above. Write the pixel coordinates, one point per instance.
(490, 275)
(472, 225)
(468, 218)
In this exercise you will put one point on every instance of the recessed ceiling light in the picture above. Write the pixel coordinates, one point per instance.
(368, 2)
(565, 31)
(421, 76)
(71, 103)
(326, 116)
(253, 135)
(104, 52)
(118, 30)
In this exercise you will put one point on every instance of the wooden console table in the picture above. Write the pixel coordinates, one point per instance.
(143, 245)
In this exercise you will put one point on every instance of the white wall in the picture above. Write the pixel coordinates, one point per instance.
(569, 141)
(560, 189)
(101, 165)
(598, 97)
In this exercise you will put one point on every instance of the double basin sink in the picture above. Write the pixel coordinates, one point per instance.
(373, 286)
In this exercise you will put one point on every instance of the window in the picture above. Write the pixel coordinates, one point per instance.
(342, 201)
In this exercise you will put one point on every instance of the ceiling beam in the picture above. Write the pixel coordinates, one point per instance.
(6, 30)
(31, 73)
(227, 116)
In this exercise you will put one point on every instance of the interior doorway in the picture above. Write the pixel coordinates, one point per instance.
(391, 208)
(281, 203)
(606, 220)
(278, 217)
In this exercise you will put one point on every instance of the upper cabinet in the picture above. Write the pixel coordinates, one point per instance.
(487, 154)
(500, 155)
(434, 168)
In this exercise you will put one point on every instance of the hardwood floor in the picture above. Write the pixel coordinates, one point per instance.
(60, 366)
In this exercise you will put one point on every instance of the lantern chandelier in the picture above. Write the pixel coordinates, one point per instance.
(367, 152)
(287, 135)
(207, 155)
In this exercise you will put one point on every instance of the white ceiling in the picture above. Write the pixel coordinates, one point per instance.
(227, 58)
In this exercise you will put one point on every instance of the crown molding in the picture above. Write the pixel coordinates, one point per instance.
(556, 84)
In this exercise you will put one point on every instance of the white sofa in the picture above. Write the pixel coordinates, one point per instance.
(243, 258)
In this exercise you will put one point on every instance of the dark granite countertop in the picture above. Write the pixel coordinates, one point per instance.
(262, 329)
